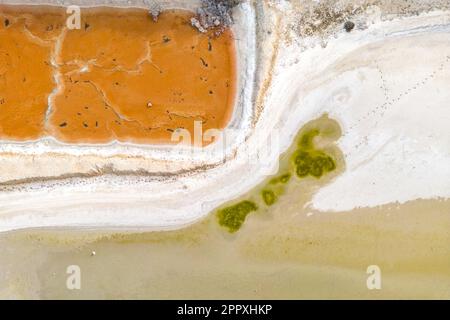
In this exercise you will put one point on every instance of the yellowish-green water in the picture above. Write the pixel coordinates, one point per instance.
(281, 250)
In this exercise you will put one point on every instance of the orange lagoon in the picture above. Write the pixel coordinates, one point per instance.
(122, 76)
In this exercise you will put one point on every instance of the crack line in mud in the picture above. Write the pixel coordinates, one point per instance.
(147, 57)
(57, 76)
(109, 104)
(32, 37)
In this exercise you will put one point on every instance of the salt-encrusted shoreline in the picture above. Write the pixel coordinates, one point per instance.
(49, 183)
(386, 86)
(391, 103)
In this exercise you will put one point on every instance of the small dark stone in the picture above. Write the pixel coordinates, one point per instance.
(6, 22)
(62, 125)
(348, 26)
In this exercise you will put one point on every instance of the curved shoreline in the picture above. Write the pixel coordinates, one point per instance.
(291, 101)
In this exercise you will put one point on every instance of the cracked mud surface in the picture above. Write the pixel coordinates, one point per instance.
(122, 76)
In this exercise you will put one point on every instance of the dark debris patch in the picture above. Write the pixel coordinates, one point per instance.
(209, 45)
(348, 26)
(214, 14)
(320, 18)
(205, 64)
(154, 9)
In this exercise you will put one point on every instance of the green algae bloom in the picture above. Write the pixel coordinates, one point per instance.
(303, 159)
(281, 179)
(269, 197)
(234, 216)
(311, 162)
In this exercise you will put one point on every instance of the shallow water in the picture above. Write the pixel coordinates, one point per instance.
(285, 250)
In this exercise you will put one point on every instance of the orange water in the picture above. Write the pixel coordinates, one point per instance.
(122, 76)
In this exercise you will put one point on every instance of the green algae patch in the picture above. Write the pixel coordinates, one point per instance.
(233, 217)
(309, 161)
(312, 163)
(281, 179)
(313, 153)
(269, 197)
